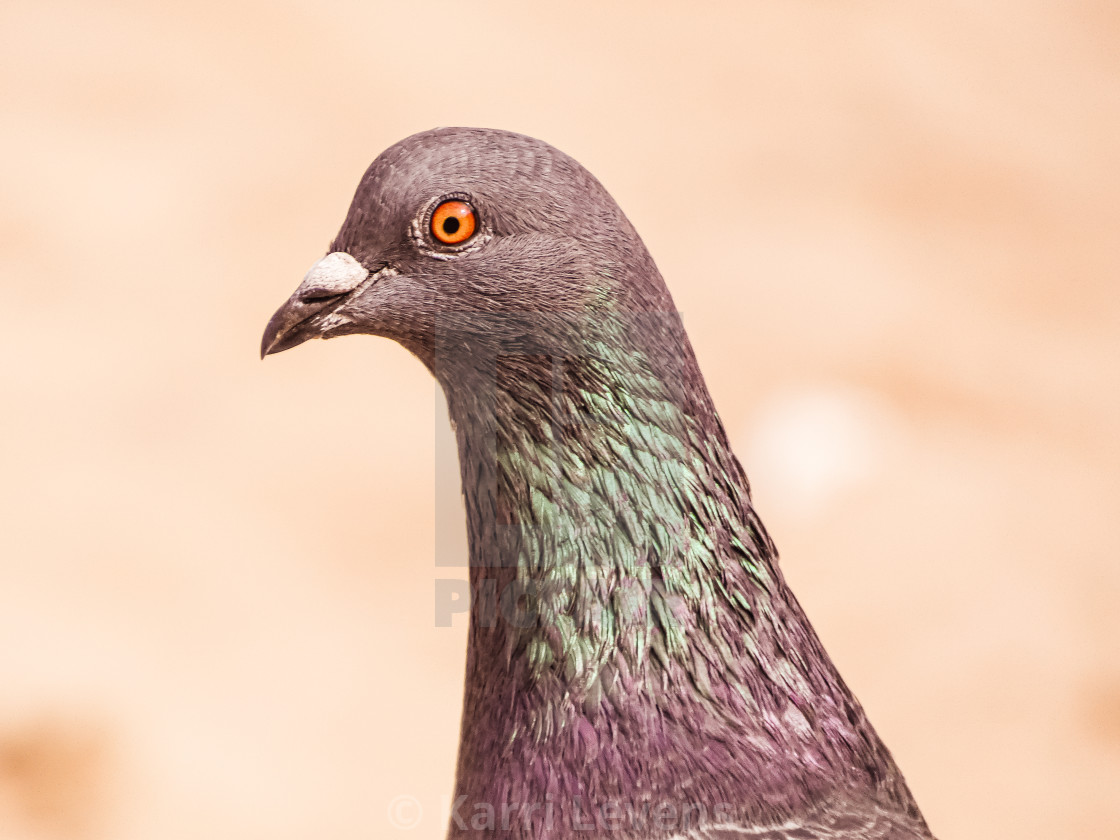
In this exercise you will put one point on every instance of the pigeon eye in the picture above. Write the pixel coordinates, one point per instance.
(453, 222)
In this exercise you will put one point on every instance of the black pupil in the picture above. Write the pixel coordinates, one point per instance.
(450, 225)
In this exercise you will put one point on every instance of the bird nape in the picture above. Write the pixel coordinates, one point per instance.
(637, 666)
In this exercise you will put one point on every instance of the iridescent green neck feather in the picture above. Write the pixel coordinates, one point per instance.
(625, 591)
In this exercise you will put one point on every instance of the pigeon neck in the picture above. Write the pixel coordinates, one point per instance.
(600, 502)
(625, 596)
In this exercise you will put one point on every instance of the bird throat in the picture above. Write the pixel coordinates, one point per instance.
(624, 594)
(606, 517)
(630, 629)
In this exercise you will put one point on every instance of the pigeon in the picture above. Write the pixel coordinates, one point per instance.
(637, 667)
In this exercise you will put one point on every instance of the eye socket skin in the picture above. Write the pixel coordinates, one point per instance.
(453, 222)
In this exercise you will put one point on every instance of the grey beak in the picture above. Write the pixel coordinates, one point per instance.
(327, 282)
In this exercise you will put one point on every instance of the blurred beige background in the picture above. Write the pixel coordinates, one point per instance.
(891, 228)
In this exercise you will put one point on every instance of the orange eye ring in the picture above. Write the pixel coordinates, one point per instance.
(453, 222)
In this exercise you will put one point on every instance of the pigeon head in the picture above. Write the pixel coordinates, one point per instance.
(466, 244)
